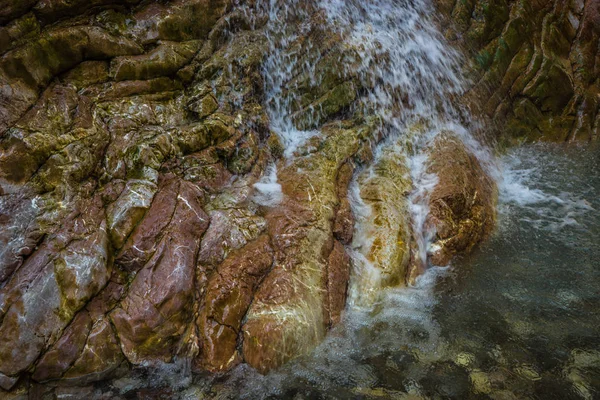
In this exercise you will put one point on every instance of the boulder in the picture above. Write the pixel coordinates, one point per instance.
(290, 312)
(462, 203)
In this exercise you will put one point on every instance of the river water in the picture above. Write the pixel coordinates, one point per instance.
(518, 319)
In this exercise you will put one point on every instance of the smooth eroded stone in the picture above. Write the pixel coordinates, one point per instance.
(228, 295)
(232, 223)
(463, 202)
(152, 318)
(8, 382)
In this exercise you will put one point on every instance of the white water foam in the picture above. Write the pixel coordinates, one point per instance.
(268, 190)
(547, 208)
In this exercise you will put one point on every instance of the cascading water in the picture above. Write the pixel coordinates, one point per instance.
(519, 319)
(413, 79)
(410, 78)
(464, 335)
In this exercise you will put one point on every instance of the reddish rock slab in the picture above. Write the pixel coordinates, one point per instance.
(229, 293)
(142, 243)
(100, 356)
(153, 317)
(338, 275)
(56, 361)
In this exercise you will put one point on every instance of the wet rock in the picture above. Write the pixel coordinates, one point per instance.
(178, 21)
(13, 9)
(463, 202)
(287, 317)
(99, 357)
(132, 135)
(343, 228)
(56, 361)
(8, 382)
(338, 276)
(229, 293)
(232, 224)
(127, 211)
(142, 243)
(205, 106)
(152, 318)
(331, 104)
(163, 60)
(54, 283)
(480, 381)
(382, 238)
(540, 52)
(51, 10)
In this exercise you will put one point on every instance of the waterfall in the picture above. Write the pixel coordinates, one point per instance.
(410, 80)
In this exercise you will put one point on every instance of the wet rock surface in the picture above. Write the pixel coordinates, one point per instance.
(536, 69)
(463, 202)
(133, 138)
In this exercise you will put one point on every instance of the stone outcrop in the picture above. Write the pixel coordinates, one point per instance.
(462, 203)
(293, 307)
(535, 64)
(133, 140)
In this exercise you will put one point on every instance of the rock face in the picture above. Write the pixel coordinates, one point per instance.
(134, 144)
(462, 203)
(536, 69)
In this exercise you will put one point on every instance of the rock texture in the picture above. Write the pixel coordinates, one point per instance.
(536, 64)
(133, 143)
(131, 136)
(463, 202)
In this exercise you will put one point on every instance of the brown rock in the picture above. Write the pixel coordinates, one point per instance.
(59, 358)
(100, 356)
(163, 60)
(288, 316)
(462, 204)
(142, 243)
(343, 228)
(338, 275)
(152, 318)
(228, 295)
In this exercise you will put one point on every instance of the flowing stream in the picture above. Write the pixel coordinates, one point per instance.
(519, 318)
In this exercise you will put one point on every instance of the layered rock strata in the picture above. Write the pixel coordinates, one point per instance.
(535, 64)
(133, 144)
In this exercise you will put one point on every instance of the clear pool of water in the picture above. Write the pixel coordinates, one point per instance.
(517, 319)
